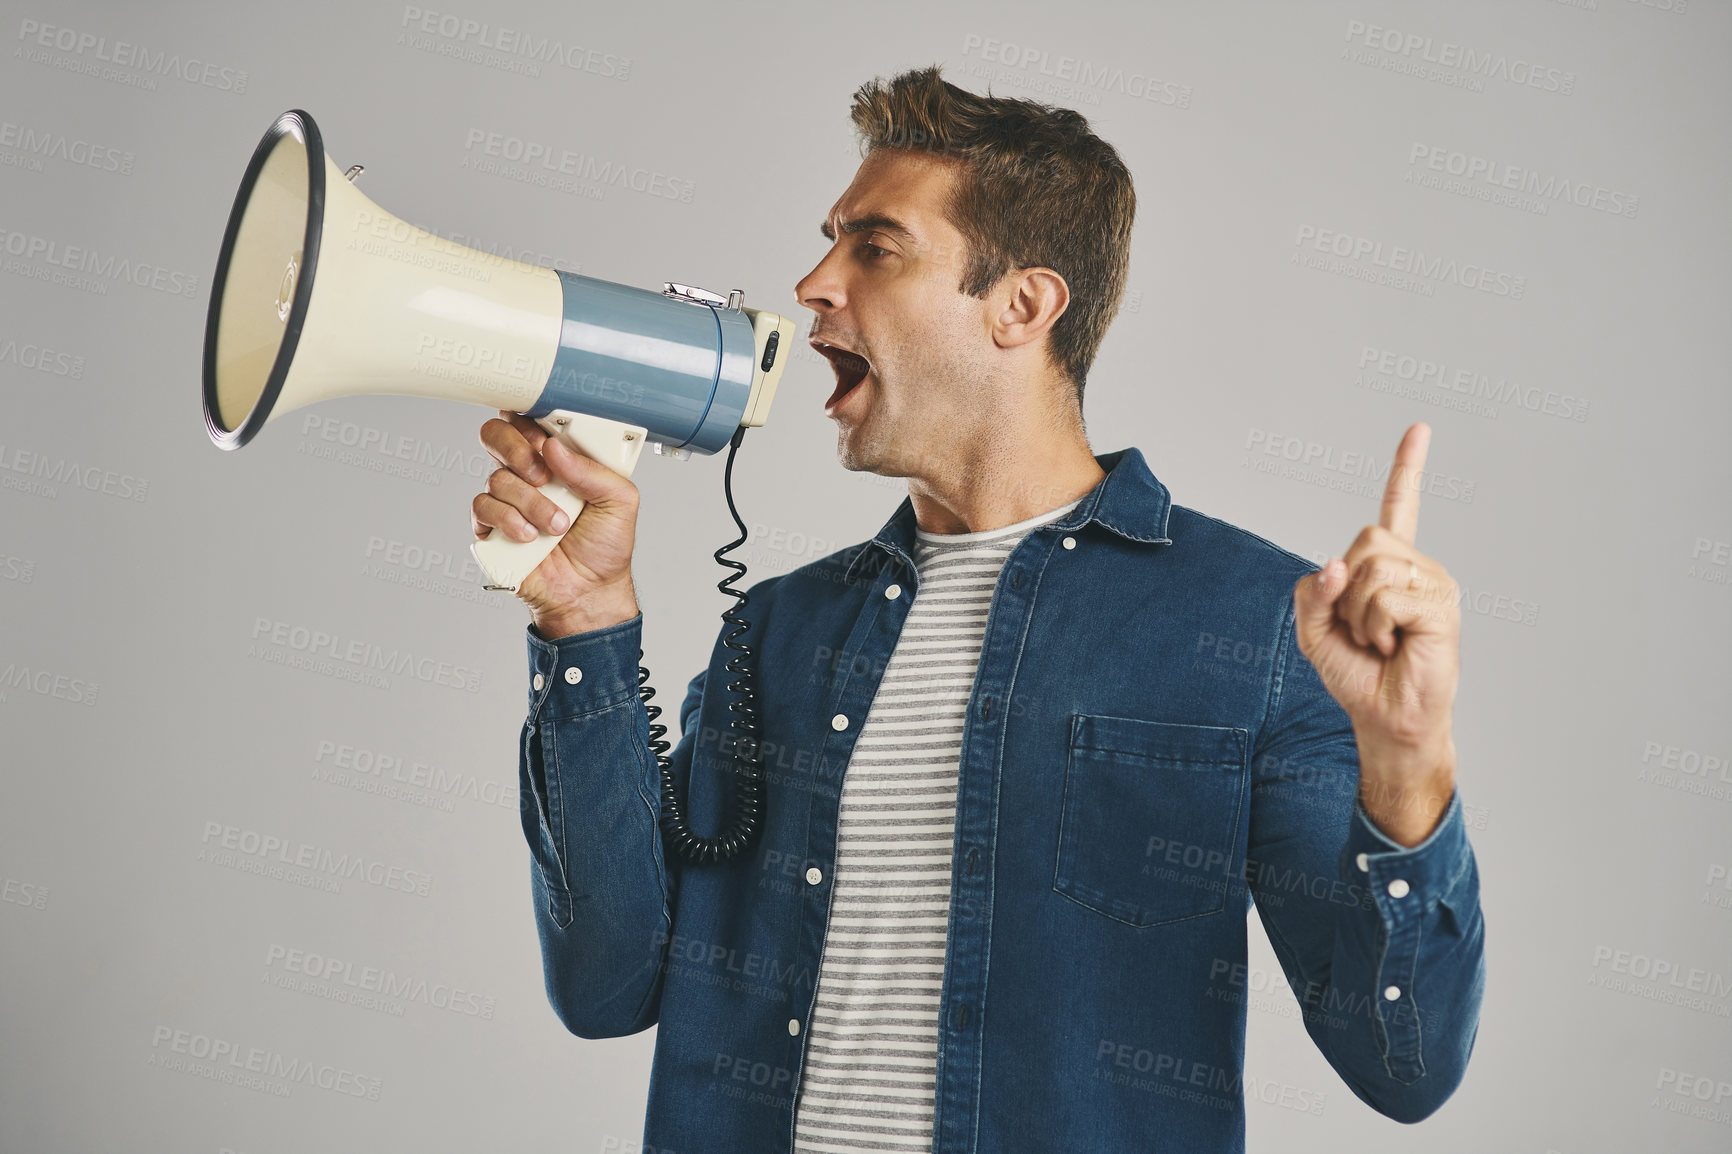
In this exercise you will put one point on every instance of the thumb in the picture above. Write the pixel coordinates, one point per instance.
(585, 476)
(1314, 600)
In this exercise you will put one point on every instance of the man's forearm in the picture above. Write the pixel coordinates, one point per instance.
(1406, 804)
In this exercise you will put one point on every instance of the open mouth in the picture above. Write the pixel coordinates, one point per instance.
(851, 368)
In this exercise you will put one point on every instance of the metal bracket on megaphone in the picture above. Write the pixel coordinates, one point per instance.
(506, 562)
(698, 296)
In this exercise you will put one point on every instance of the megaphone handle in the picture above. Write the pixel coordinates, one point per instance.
(506, 562)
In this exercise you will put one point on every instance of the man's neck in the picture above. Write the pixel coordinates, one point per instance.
(1005, 484)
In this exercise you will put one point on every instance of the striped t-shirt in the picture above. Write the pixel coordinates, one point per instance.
(872, 1051)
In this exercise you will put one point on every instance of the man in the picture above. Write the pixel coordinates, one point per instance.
(1029, 753)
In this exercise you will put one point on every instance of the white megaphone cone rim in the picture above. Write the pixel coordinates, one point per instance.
(321, 294)
(299, 124)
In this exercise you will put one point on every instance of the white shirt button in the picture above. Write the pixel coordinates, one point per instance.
(794, 1026)
(814, 876)
(573, 675)
(1391, 993)
(538, 682)
(892, 592)
(1397, 888)
(1362, 863)
(1070, 542)
(839, 722)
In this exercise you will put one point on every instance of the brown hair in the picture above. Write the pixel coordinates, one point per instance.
(1035, 188)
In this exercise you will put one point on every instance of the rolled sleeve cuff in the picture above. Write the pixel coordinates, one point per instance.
(1407, 884)
(584, 672)
(1421, 874)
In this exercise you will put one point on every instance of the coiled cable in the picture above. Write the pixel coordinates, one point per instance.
(748, 776)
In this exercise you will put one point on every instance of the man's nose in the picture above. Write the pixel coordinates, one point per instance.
(819, 290)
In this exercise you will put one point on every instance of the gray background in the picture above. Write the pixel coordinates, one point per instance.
(141, 717)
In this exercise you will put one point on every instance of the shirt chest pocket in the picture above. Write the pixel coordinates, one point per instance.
(1148, 822)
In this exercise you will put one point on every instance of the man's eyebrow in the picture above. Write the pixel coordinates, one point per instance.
(876, 222)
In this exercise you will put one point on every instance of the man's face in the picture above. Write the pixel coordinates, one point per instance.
(911, 353)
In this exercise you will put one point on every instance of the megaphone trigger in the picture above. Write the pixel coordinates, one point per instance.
(508, 563)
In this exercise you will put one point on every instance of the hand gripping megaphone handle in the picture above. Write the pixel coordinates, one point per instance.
(507, 562)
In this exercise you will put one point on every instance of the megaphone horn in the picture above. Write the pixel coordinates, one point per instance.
(320, 293)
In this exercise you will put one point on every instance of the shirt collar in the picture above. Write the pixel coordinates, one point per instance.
(1129, 501)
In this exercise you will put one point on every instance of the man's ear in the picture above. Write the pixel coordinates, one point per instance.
(1037, 297)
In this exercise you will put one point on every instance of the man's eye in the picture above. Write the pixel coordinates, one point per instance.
(872, 251)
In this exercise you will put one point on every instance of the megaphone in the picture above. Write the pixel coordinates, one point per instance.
(320, 293)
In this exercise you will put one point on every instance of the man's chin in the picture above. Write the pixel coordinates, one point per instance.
(867, 459)
(864, 446)
(853, 461)
(855, 453)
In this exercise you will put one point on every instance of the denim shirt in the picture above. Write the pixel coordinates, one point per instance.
(1146, 753)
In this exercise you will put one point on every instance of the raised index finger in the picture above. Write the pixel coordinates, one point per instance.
(1400, 513)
